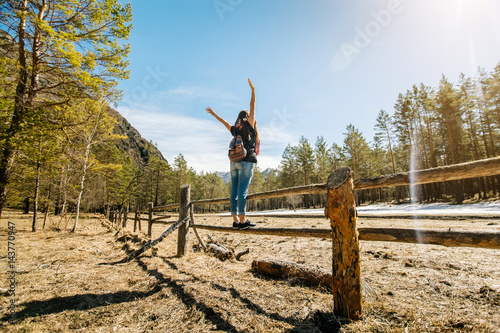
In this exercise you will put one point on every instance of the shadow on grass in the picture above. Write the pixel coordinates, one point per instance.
(188, 300)
(318, 321)
(79, 302)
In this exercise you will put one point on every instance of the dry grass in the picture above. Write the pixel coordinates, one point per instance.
(79, 282)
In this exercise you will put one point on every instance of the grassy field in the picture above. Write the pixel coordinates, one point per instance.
(79, 281)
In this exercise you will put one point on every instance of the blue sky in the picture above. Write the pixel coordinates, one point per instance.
(316, 65)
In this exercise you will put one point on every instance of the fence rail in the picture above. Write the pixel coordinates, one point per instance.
(479, 239)
(482, 168)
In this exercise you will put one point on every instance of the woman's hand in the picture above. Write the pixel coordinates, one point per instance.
(212, 112)
(209, 110)
(250, 83)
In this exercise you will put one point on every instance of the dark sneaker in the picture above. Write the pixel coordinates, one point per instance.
(247, 225)
(236, 225)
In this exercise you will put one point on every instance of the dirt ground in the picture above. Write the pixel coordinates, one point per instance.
(80, 282)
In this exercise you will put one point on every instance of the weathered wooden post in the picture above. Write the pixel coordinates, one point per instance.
(139, 220)
(150, 219)
(136, 219)
(125, 216)
(346, 272)
(119, 219)
(183, 213)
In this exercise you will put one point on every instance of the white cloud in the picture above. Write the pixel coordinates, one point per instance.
(202, 142)
(268, 161)
(199, 140)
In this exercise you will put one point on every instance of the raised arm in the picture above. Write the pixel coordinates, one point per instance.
(251, 117)
(225, 123)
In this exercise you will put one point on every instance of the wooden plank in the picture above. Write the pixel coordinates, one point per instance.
(298, 190)
(287, 232)
(481, 168)
(479, 239)
(488, 240)
(166, 207)
(161, 217)
(163, 222)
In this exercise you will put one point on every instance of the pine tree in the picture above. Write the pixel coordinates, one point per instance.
(289, 167)
(305, 160)
(357, 152)
(385, 134)
(323, 168)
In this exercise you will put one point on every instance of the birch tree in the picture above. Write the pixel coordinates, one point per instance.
(96, 129)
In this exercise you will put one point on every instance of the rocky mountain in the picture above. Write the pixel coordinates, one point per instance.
(226, 176)
(135, 146)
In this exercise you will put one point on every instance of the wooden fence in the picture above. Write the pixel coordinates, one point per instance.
(342, 213)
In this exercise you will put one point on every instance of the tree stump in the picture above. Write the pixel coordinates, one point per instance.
(346, 272)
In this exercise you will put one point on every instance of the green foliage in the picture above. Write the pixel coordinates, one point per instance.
(61, 56)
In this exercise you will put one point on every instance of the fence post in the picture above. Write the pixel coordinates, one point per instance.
(183, 213)
(139, 216)
(136, 218)
(346, 271)
(119, 219)
(150, 219)
(124, 225)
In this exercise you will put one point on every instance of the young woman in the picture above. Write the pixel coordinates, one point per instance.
(242, 171)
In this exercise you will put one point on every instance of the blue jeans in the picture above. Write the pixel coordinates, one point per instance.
(241, 175)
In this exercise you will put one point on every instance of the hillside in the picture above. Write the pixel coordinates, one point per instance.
(135, 146)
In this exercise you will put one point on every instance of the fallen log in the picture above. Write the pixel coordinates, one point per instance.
(219, 251)
(284, 269)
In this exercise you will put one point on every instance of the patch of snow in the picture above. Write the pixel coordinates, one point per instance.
(477, 209)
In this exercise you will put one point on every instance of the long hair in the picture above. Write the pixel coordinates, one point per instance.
(242, 121)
